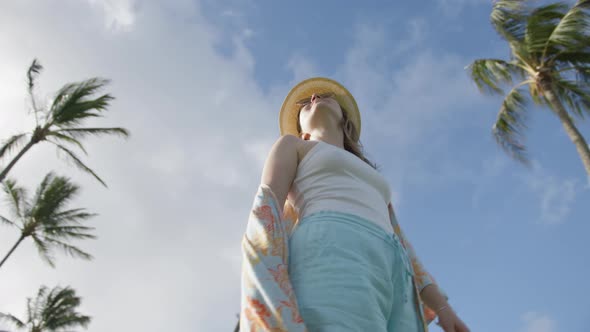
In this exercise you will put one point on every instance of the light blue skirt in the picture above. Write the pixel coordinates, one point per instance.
(349, 274)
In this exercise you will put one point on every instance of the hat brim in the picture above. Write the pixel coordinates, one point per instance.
(289, 110)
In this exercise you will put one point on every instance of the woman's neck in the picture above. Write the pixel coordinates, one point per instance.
(334, 137)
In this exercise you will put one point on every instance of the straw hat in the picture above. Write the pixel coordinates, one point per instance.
(318, 85)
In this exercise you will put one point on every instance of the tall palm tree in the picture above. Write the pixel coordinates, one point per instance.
(46, 218)
(62, 123)
(549, 55)
(51, 311)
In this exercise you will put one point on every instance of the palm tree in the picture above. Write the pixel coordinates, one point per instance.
(52, 311)
(46, 219)
(549, 55)
(61, 123)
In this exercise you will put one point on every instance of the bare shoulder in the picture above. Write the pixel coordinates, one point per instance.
(288, 140)
(292, 142)
(286, 144)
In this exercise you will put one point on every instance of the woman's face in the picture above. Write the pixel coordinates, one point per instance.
(320, 112)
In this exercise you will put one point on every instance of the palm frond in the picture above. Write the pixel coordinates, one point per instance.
(520, 54)
(11, 144)
(54, 193)
(541, 23)
(60, 311)
(40, 304)
(73, 215)
(510, 123)
(69, 321)
(576, 96)
(7, 221)
(583, 74)
(508, 17)
(83, 132)
(78, 163)
(489, 74)
(58, 302)
(56, 197)
(13, 320)
(44, 250)
(68, 232)
(54, 310)
(37, 200)
(32, 74)
(72, 104)
(69, 249)
(16, 197)
(67, 139)
(571, 33)
(30, 309)
(570, 59)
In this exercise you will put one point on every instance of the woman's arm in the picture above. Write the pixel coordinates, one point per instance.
(280, 167)
(447, 317)
(433, 297)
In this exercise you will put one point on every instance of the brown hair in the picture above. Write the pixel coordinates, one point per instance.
(352, 143)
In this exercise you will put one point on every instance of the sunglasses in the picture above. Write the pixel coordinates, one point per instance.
(306, 101)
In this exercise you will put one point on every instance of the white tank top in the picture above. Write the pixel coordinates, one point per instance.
(331, 178)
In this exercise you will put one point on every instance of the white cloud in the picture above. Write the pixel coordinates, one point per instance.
(409, 97)
(415, 34)
(247, 33)
(301, 67)
(555, 195)
(387, 85)
(234, 21)
(180, 189)
(536, 322)
(118, 14)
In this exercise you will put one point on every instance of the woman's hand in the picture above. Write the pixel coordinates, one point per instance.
(450, 322)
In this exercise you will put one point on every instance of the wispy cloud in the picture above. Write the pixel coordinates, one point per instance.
(234, 21)
(301, 67)
(388, 85)
(118, 14)
(555, 195)
(406, 100)
(536, 322)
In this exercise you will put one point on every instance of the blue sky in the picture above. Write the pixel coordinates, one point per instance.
(199, 84)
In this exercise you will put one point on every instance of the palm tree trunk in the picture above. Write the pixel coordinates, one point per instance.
(16, 158)
(22, 237)
(570, 128)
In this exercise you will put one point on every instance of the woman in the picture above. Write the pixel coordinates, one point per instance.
(323, 250)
